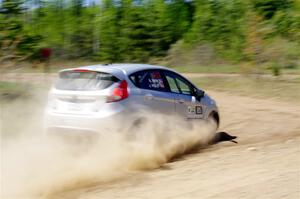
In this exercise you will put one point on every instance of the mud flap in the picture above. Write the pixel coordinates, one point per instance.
(223, 136)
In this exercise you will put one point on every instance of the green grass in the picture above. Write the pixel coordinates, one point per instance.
(55, 66)
(208, 69)
(9, 86)
(229, 69)
(11, 90)
(287, 89)
(292, 71)
(21, 105)
(275, 88)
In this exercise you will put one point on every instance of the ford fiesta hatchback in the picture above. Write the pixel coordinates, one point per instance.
(90, 98)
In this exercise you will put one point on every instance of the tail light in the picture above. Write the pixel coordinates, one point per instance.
(118, 93)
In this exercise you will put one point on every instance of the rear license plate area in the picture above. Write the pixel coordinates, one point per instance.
(74, 107)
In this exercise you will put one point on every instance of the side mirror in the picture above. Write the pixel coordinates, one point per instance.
(199, 94)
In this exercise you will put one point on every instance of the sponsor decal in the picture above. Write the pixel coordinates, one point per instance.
(156, 81)
(199, 110)
(195, 110)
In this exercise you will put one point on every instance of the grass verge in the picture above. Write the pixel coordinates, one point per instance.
(57, 65)
(272, 88)
(12, 90)
(231, 69)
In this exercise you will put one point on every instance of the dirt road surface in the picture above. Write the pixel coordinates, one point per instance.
(265, 164)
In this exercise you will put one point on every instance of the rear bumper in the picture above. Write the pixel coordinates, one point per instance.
(75, 124)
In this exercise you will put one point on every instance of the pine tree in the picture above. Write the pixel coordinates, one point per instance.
(180, 14)
(108, 32)
(11, 27)
(134, 35)
(158, 24)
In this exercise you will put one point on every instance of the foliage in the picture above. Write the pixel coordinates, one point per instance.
(185, 31)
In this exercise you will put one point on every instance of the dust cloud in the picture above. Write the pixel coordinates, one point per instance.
(34, 165)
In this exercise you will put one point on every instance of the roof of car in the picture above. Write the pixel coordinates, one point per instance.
(126, 68)
(118, 70)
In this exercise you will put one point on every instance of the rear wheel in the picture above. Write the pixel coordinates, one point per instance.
(134, 131)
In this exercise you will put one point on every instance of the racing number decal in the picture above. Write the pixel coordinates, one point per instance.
(156, 81)
(199, 110)
(195, 110)
(191, 109)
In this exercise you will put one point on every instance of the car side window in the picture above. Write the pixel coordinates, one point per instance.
(149, 79)
(172, 84)
(133, 78)
(142, 80)
(184, 86)
(177, 84)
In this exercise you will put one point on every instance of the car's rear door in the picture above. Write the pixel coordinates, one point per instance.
(185, 102)
(154, 91)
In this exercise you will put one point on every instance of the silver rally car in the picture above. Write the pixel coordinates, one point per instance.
(88, 98)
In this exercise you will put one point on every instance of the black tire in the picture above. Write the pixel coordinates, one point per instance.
(214, 119)
(134, 129)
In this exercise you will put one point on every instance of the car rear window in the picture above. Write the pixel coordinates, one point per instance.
(151, 80)
(84, 80)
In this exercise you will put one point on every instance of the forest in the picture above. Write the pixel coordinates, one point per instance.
(174, 32)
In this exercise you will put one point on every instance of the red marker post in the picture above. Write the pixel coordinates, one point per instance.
(45, 54)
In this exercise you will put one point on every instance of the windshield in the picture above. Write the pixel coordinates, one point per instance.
(84, 81)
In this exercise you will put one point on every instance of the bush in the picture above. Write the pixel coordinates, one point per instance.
(275, 69)
(182, 54)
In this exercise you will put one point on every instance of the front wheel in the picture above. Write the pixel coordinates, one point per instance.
(214, 120)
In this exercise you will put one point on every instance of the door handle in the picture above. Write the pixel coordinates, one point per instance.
(148, 96)
(180, 101)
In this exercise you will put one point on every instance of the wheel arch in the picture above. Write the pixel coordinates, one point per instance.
(214, 114)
